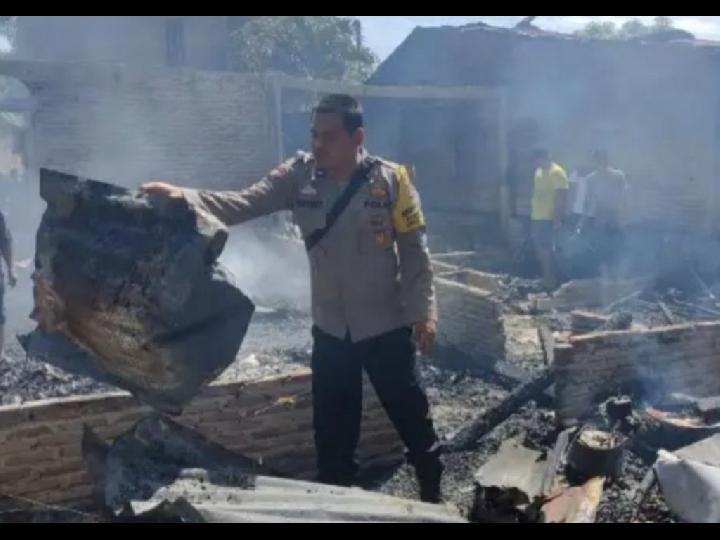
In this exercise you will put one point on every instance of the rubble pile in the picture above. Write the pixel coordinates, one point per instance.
(521, 444)
(631, 424)
(163, 471)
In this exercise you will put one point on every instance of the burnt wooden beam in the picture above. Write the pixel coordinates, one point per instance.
(469, 436)
(131, 286)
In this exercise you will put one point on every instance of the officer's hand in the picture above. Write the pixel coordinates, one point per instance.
(163, 188)
(425, 333)
(12, 278)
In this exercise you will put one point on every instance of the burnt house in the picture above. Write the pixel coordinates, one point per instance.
(654, 105)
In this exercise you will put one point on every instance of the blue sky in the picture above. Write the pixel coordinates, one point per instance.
(384, 33)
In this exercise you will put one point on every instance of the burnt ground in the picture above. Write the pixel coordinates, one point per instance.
(274, 340)
(279, 338)
(458, 397)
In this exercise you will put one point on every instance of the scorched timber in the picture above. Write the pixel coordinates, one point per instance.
(131, 282)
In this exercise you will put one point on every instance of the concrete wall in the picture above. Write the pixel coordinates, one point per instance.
(682, 358)
(139, 40)
(40, 442)
(128, 125)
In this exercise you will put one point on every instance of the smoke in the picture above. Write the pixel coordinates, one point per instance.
(22, 208)
(272, 270)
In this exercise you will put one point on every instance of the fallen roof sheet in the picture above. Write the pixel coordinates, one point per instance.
(163, 471)
(691, 488)
(514, 468)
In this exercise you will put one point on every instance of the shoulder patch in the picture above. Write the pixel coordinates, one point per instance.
(303, 157)
(280, 171)
(407, 212)
(297, 162)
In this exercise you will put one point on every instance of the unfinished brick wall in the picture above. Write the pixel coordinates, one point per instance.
(130, 124)
(475, 278)
(681, 358)
(40, 442)
(470, 319)
(592, 292)
(138, 39)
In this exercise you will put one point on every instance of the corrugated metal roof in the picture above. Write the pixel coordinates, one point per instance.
(162, 471)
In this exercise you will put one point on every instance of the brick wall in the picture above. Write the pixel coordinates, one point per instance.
(131, 39)
(590, 293)
(469, 319)
(40, 442)
(681, 358)
(129, 124)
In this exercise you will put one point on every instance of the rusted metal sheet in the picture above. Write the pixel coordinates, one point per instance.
(508, 484)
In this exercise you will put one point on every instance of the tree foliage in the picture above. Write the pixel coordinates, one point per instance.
(312, 46)
(628, 30)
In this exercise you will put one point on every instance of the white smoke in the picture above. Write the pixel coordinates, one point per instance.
(272, 271)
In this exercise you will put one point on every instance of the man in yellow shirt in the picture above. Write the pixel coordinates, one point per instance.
(548, 208)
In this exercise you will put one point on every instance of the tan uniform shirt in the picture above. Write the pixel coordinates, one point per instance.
(371, 273)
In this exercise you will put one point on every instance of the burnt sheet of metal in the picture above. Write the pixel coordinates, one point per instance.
(691, 488)
(706, 451)
(131, 282)
(575, 504)
(509, 483)
(162, 471)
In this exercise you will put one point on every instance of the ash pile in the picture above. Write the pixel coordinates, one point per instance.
(602, 409)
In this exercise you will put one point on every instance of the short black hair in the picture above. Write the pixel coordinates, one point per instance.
(541, 153)
(346, 106)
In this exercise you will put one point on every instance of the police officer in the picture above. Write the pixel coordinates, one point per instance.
(373, 301)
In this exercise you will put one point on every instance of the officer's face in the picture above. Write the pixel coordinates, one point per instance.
(332, 145)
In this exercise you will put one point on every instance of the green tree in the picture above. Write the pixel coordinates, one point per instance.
(662, 23)
(312, 46)
(598, 30)
(7, 28)
(631, 29)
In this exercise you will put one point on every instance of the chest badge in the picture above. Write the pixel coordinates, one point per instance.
(308, 190)
(378, 192)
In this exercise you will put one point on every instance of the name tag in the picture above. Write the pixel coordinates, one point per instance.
(378, 204)
(308, 203)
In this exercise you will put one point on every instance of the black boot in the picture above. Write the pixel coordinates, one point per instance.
(429, 473)
(337, 475)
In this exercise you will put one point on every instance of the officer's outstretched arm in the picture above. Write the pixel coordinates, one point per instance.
(271, 194)
(416, 274)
